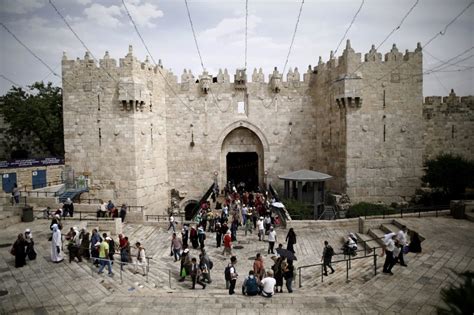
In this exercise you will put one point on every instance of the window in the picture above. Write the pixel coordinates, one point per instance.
(241, 107)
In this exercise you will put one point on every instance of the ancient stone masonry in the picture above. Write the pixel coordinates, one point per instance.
(449, 126)
(138, 136)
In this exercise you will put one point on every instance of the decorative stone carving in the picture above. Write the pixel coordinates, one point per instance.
(275, 81)
(205, 81)
(240, 80)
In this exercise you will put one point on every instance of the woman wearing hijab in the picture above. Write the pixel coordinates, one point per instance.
(85, 244)
(30, 245)
(18, 250)
(56, 243)
(291, 240)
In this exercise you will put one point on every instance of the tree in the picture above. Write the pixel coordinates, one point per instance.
(34, 119)
(459, 299)
(450, 173)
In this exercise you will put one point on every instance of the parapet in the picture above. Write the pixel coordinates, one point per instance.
(450, 103)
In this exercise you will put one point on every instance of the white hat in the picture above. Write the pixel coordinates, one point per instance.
(27, 231)
(271, 227)
(97, 244)
(186, 250)
(108, 238)
(261, 218)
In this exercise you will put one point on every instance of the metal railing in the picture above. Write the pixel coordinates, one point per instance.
(348, 262)
(33, 193)
(164, 218)
(89, 200)
(24, 188)
(81, 215)
(406, 210)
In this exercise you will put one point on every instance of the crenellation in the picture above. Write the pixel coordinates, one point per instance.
(354, 119)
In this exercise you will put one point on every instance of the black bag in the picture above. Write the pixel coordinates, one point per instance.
(211, 264)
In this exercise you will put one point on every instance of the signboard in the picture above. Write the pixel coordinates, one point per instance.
(31, 163)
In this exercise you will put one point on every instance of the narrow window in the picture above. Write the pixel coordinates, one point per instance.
(384, 133)
(100, 136)
(151, 134)
(452, 131)
(383, 98)
(98, 102)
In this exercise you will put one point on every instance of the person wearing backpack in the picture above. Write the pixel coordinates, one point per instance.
(231, 275)
(328, 252)
(250, 285)
(205, 264)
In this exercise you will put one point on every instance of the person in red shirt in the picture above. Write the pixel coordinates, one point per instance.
(227, 244)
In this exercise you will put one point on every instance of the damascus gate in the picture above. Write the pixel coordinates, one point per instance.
(141, 134)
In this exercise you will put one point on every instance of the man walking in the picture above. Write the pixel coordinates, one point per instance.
(172, 224)
(176, 246)
(104, 256)
(231, 275)
(272, 237)
(328, 252)
(195, 273)
(389, 240)
(402, 241)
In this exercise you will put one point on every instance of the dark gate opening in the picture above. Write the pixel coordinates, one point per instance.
(242, 167)
(188, 210)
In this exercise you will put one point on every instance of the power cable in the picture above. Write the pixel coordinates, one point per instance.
(153, 59)
(399, 24)
(194, 33)
(349, 27)
(453, 58)
(293, 37)
(443, 61)
(246, 29)
(11, 81)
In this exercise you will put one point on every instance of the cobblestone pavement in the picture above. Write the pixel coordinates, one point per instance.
(43, 287)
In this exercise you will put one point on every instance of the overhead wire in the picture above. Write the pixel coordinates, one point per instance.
(52, 71)
(442, 32)
(11, 81)
(349, 27)
(294, 35)
(443, 61)
(246, 29)
(153, 59)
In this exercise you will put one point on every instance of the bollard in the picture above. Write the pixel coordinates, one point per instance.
(375, 262)
(347, 270)
(169, 277)
(121, 281)
(350, 262)
(322, 278)
(147, 268)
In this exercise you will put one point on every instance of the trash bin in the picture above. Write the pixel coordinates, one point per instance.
(458, 208)
(27, 215)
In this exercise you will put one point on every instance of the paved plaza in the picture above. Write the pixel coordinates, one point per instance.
(43, 287)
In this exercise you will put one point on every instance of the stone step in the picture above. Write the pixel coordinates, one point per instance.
(399, 223)
(377, 234)
(389, 228)
(470, 216)
(366, 241)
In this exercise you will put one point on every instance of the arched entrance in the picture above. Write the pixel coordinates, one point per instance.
(242, 158)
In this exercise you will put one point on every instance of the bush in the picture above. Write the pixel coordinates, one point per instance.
(459, 299)
(298, 210)
(365, 208)
(450, 173)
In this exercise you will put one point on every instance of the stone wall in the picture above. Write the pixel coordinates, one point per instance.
(137, 136)
(114, 127)
(448, 126)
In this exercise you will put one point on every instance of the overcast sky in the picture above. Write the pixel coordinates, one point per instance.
(103, 25)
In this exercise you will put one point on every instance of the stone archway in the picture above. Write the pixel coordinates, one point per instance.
(242, 157)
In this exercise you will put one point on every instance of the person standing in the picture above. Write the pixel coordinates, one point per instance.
(195, 274)
(272, 237)
(124, 250)
(16, 193)
(218, 234)
(185, 268)
(30, 245)
(56, 243)
(248, 226)
(291, 240)
(185, 235)
(328, 252)
(205, 264)
(231, 278)
(227, 244)
(176, 246)
(201, 236)
(288, 274)
(261, 229)
(258, 267)
(402, 241)
(18, 250)
(95, 238)
(389, 247)
(123, 212)
(172, 224)
(141, 258)
(104, 256)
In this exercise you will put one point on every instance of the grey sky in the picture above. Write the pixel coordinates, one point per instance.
(220, 26)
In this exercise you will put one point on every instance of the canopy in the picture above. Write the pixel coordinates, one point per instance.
(305, 176)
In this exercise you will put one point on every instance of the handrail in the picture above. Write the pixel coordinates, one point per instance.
(51, 183)
(348, 265)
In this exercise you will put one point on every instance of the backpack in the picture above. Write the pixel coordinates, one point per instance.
(329, 252)
(211, 264)
(251, 285)
(227, 274)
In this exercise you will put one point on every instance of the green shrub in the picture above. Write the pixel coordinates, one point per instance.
(298, 210)
(365, 208)
(459, 299)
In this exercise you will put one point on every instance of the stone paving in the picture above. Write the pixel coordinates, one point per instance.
(42, 287)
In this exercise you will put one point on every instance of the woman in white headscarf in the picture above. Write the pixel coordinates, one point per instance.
(30, 245)
(56, 243)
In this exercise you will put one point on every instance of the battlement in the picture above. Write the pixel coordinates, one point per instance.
(373, 56)
(129, 63)
(451, 99)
